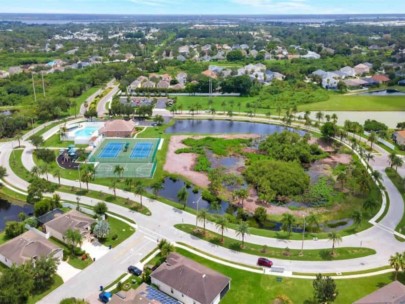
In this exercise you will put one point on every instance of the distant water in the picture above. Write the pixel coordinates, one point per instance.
(9, 212)
(212, 19)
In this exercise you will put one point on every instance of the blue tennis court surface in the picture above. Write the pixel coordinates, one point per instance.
(111, 150)
(141, 150)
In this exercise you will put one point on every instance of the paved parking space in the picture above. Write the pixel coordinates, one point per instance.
(95, 249)
(66, 271)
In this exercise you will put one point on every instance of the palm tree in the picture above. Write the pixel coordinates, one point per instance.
(391, 158)
(221, 224)
(35, 171)
(370, 204)
(230, 114)
(334, 118)
(156, 187)
(212, 111)
(129, 182)
(139, 190)
(73, 238)
(3, 172)
(312, 222)
(372, 138)
(202, 216)
(180, 107)
(398, 162)
(319, 116)
(279, 109)
(118, 170)
(288, 221)
(369, 156)
(57, 173)
(336, 239)
(242, 230)
(397, 262)
(342, 177)
(44, 169)
(327, 117)
(114, 183)
(377, 175)
(18, 137)
(357, 217)
(241, 194)
(182, 196)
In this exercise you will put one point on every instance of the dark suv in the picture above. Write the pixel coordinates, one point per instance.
(264, 262)
(134, 270)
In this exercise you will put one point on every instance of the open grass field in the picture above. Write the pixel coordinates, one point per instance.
(249, 287)
(293, 254)
(119, 232)
(357, 103)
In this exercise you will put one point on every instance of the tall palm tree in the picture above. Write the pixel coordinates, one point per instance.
(241, 194)
(118, 170)
(372, 138)
(391, 158)
(44, 169)
(398, 162)
(312, 222)
(221, 224)
(57, 173)
(156, 187)
(336, 239)
(377, 175)
(18, 137)
(288, 221)
(319, 116)
(202, 217)
(342, 178)
(114, 183)
(36, 171)
(334, 118)
(397, 262)
(369, 156)
(242, 230)
(139, 189)
(357, 217)
(74, 238)
(182, 196)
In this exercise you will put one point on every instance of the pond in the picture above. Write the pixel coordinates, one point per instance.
(224, 127)
(385, 93)
(9, 212)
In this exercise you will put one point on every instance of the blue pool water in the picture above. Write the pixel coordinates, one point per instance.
(85, 132)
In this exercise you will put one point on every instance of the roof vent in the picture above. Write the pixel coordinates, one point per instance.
(203, 276)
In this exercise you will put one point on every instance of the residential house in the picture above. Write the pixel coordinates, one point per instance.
(45, 218)
(142, 79)
(163, 84)
(355, 82)
(219, 56)
(28, 246)
(133, 86)
(399, 137)
(241, 71)
(210, 74)
(4, 74)
(148, 84)
(381, 79)
(205, 58)
(370, 81)
(319, 73)
(181, 58)
(144, 294)
(190, 282)
(278, 76)
(347, 72)
(178, 86)
(181, 77)
(206, 48)
(14, 70)
(393, 293)
(253, 53)
(244, 46)
(311, 55)
(226, 73)
(216, 69)
(330, 83)
(184, 50)
(73, 219)
(362, 69)
(166, 77)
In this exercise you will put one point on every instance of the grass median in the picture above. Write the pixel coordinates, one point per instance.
(279, 253)
(398, 181)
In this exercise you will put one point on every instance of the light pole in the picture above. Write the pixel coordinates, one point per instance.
(196, 218)
(78, 203)
(303, 236)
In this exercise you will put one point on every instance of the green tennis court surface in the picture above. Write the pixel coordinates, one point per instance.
(136, 156)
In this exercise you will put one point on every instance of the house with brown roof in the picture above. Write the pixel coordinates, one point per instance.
(210, 74)
(393, 293)
(362, 69)
(118, 128)
(163, 84)
(380, 78)
(28, 246)
(74, 220)
(399, 137)
(190, 282)
(148, 84)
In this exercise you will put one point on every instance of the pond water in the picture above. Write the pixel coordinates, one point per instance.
(224, 127)
(9, 212)
(385, 93)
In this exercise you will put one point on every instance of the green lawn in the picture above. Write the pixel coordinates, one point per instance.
(81, 99)
(54, 141)
(36, 297)
(120, 229)
(75, 261)
(399, 183)
(247, 287)
(291, 254)
(47, 128)
(2, 238)
(357, 103)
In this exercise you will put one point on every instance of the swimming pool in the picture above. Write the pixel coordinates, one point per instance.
(87, 131)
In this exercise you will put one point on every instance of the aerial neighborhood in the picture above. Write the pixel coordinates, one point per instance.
(200, 158)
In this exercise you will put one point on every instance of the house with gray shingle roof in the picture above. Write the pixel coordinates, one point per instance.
(190, 282)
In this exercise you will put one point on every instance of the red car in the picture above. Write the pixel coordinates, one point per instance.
(264, 262)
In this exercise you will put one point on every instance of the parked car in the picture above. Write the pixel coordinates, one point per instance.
(134, 270)
(105, 296)
(264, 262)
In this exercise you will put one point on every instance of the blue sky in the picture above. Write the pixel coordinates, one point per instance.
(204, 6)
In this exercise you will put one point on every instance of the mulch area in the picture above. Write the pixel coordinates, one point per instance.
(67, 164)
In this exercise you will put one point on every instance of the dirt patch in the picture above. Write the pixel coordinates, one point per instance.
(182, 164)
(323, 145)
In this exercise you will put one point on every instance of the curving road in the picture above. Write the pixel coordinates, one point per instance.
(160, 225)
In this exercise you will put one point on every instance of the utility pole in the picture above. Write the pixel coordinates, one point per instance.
(33, 87)
(303, 236)
(43, 84)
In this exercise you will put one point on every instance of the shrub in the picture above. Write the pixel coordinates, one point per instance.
(48, 156)
(13, 229)
(114, 237)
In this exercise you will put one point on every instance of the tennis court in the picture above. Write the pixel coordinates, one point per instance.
(111, 150)
(142, 150)
(136, 155)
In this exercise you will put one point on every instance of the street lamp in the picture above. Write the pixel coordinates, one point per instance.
(196, 218)
(303, 236)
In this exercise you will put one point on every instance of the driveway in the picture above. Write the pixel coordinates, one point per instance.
(66, 271)
(95, 249)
